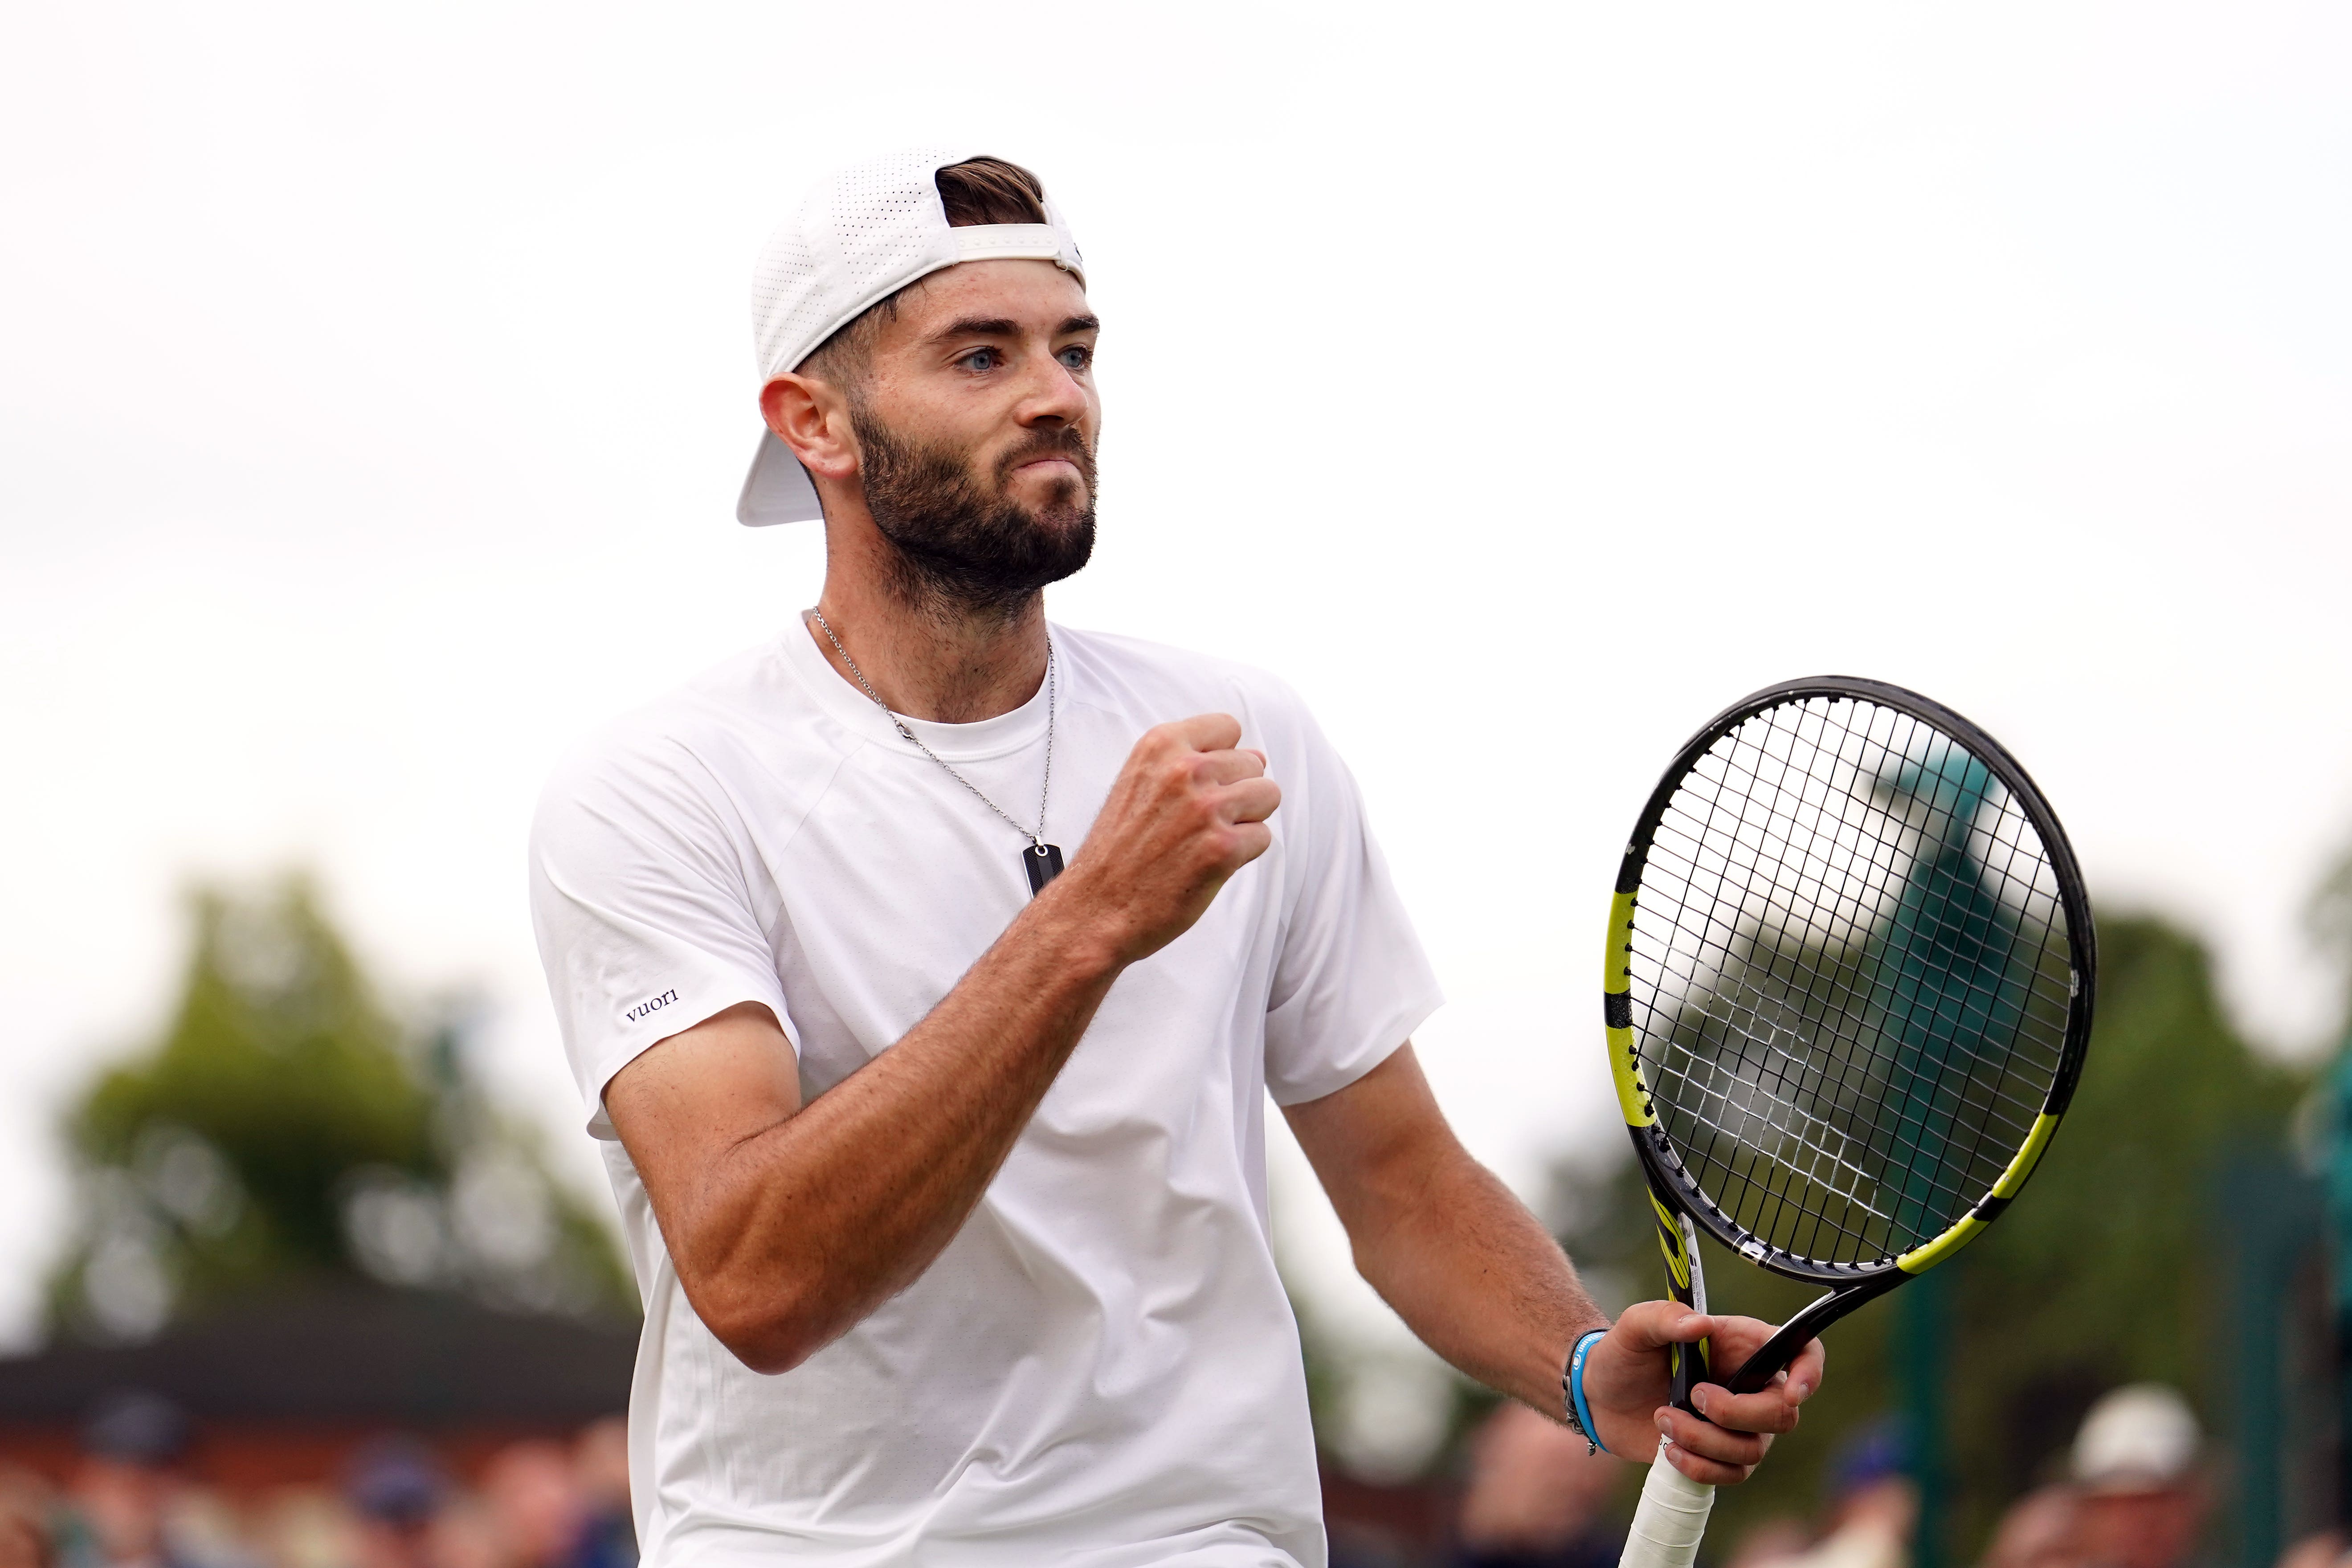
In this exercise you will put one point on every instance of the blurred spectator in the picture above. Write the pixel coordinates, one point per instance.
(1873, 1509)
(408, 1514)
(24, 1536)
(124, 1487)
(304, 1527)
(534, 1502)
(540, 1504)
(2324, 1549)
(466, 1536)
(2041, 1530)
(1537, 1497)
(1873, 1502)
(1774, 1540)
(2143, 1494)
(608, 1535)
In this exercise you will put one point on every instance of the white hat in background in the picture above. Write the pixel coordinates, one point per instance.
(2140, 1437)
(862, 235)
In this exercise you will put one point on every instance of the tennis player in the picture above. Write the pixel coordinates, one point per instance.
(926, 972)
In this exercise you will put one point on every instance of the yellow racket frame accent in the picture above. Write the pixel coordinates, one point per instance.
(1617, 1002)
(1921, 1258)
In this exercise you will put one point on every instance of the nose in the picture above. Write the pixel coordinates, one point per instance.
(1054, 396)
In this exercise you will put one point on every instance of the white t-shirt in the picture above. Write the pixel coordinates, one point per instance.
(1101, 1368)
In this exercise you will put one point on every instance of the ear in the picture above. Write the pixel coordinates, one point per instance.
(812, 417)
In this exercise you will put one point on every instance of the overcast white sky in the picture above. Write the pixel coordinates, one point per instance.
(1524, 382)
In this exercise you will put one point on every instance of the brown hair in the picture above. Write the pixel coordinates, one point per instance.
(975, 192)
(990, 190)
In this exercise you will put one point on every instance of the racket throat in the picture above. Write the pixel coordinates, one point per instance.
(1790, 1339)
(1688, 1279)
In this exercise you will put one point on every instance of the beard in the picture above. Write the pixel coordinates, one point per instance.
(961, 542)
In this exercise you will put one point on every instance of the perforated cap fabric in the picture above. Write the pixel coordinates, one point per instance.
(862, 235)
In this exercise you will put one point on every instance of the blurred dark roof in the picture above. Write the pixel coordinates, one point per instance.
(416, 1358)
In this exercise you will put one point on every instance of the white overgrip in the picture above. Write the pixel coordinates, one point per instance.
(1672, 1518)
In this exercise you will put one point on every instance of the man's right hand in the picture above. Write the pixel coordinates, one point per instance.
(1186, 811)
(1627, 1383)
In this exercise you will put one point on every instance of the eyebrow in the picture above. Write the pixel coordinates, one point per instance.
(977, 327)
(1003, 327)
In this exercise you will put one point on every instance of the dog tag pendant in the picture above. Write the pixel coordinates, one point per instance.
(1043, 863)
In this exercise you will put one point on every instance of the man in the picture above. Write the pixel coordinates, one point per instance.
(401, 1509)
(943, 1165)
(128, 1486)
(25, 1538)
(2139, 1479)
(1537, 1497)
(1874, 1511)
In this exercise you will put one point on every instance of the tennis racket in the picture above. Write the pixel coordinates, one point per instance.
(1848, 988)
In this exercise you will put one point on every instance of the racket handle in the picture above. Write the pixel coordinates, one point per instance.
(1672, 1518)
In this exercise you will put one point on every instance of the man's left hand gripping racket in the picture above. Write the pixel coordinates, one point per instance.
(1847, 989)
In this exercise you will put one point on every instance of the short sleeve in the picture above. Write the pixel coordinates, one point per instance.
(1350, 982)
(645, 911)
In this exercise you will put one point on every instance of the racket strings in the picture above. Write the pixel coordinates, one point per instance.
(1850, 1162)
(1850, 978)
(1822, 1153)
(1783, 848)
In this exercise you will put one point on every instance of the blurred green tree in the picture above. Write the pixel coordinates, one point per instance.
(287, 1126)
(2105, 1273)
(2100, 1274)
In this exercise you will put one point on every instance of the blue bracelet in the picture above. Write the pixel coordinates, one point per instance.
(1576, 1388)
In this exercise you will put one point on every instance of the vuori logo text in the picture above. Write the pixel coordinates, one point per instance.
(655, 1006)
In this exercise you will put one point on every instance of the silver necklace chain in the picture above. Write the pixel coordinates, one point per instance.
(1036, 839)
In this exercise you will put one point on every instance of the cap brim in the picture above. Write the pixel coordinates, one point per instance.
(777, 489)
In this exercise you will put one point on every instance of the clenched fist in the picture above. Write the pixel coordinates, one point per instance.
(1186, 811)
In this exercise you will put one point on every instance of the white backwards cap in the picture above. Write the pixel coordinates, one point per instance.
(862, 235)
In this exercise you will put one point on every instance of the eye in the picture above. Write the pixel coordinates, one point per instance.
(1078, 356)
(980, 359)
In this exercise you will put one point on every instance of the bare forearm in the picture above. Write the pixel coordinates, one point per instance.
(812, 1223)
(1443, 1241)
(1465, 1264)
(1476, 1278)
